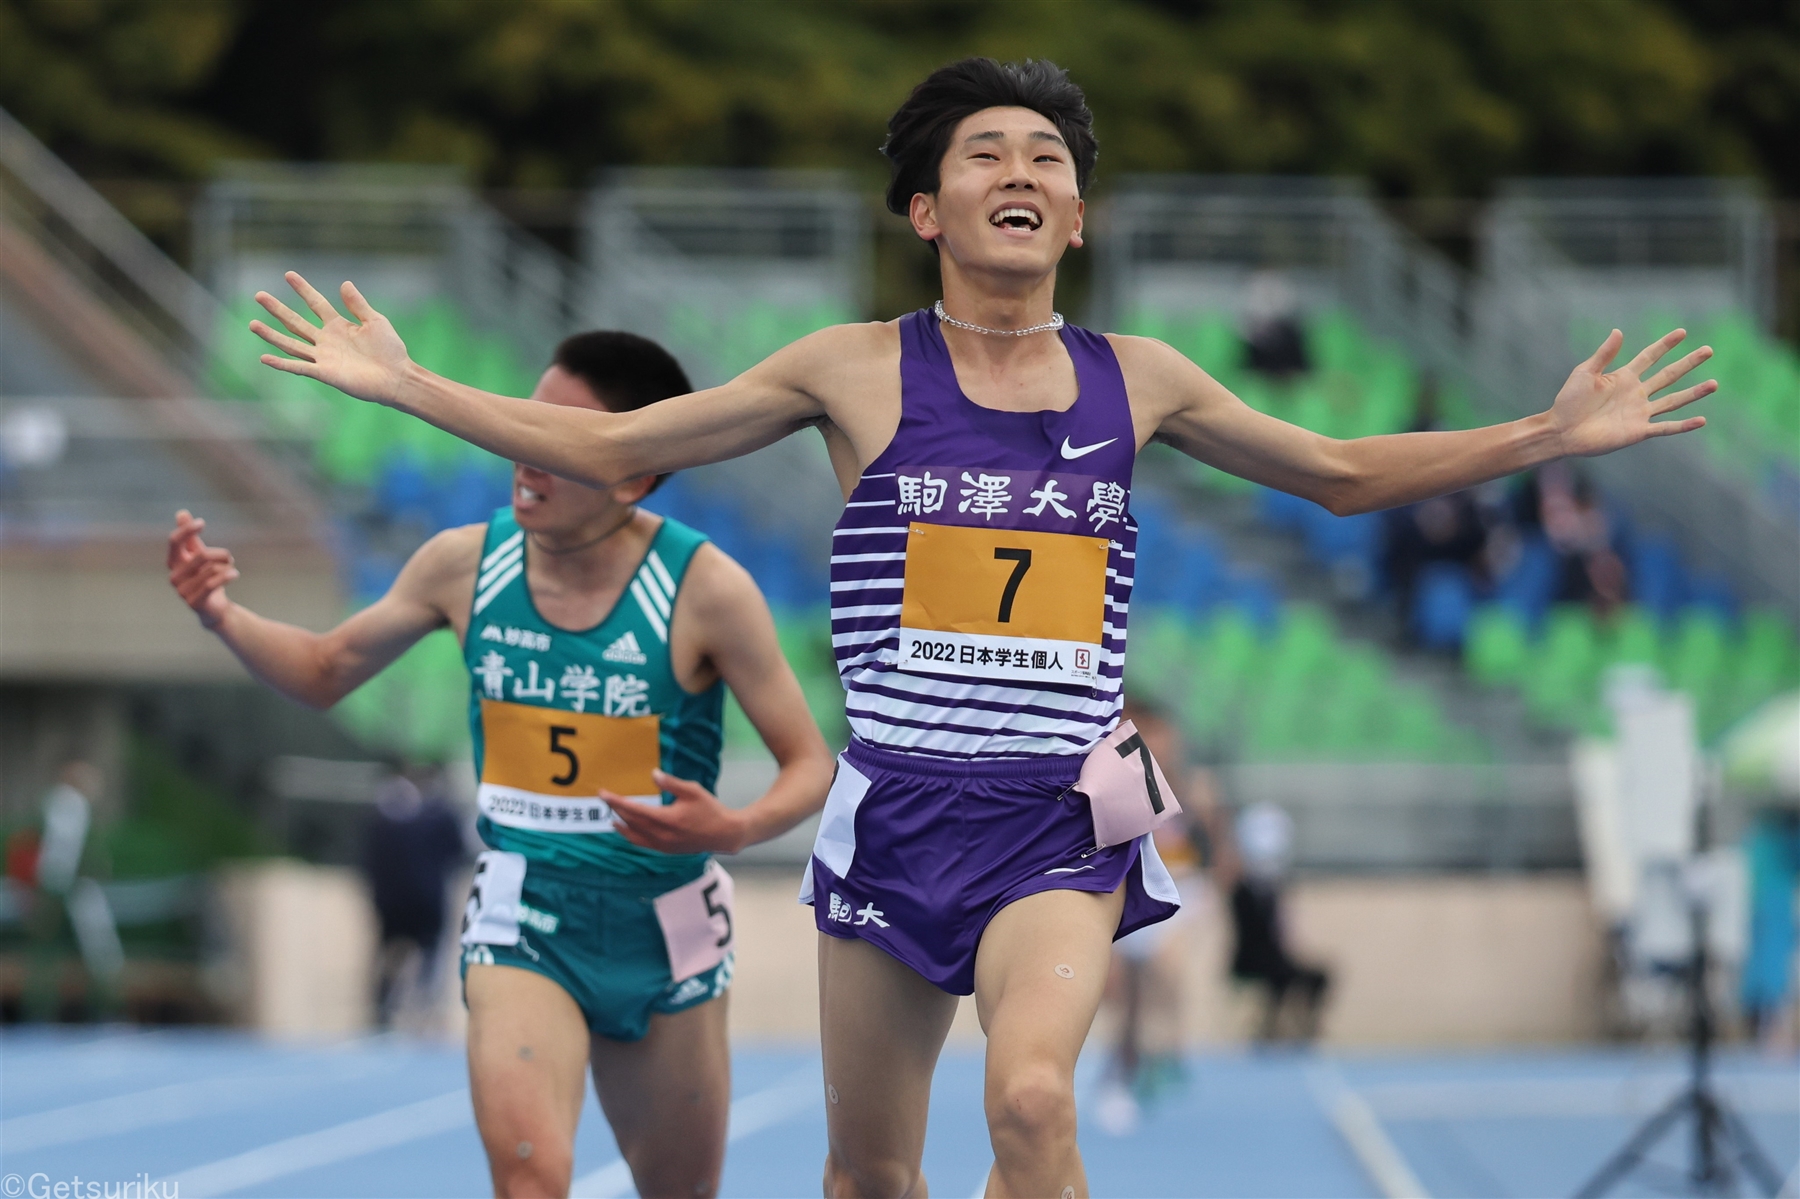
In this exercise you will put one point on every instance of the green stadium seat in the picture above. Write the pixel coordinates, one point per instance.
(417, 708)
(1158, 656)
(1632, 639)
(1497, 647)
(1694, 661)
(1560, 684)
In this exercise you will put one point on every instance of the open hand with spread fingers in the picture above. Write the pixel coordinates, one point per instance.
(1597, 412)
(198, 571)
(364, 358)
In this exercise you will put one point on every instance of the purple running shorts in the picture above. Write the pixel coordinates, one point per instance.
(915, 855)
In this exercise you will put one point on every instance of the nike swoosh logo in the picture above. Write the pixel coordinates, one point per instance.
(1069, 451)
(1070, 869)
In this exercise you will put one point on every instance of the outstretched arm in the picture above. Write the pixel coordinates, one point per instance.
(365, 358)
(1596, 412)
(317, 669)
(738, 637)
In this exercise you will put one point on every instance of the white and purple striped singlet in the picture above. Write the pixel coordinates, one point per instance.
(981, 571)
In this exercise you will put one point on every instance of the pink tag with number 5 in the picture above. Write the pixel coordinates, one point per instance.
(696, 922)
(1126, 790)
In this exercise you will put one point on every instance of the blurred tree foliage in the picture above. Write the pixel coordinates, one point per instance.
(1427, 97)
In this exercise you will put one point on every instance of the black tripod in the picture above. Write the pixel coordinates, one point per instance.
(1720, 1135)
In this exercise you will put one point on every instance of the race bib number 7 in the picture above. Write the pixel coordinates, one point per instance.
(1003, 604)
(543, 768)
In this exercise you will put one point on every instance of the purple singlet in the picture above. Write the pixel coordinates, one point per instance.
(980, 580)
(993, 653)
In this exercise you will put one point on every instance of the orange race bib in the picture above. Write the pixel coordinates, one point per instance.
(543, 768)
(1003, 604)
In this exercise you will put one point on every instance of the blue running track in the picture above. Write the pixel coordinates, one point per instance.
(228, 1114)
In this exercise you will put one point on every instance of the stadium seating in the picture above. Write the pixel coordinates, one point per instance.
(394, 480)
(1510, 632)
(1254, 677)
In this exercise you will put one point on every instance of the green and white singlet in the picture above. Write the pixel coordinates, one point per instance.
(556, 715)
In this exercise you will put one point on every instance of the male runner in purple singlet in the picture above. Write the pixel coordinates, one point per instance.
(981, 573)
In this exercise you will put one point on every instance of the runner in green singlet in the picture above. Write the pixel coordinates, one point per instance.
(599, 640)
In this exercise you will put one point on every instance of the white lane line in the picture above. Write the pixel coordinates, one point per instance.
(1567, 1097)
(1355, 1121)
(384, 1130)
(750, 1114)
(167, 1104)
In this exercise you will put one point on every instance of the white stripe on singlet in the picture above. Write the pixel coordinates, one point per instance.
(941, 716)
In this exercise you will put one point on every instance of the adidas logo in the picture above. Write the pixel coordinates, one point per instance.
(625, 649)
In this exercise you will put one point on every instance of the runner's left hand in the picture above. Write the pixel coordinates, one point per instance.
(695, 823)
(1597, 411)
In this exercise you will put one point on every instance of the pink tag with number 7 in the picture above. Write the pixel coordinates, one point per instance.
(1126, 790)
(696, 922)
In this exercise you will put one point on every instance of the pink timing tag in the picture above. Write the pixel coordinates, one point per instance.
(1126, 790)
(696, 922)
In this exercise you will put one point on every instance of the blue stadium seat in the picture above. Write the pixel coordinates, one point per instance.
(1280, 510)
(1658, 582)
(403, 490)
(1530, 585)
(1443, 603)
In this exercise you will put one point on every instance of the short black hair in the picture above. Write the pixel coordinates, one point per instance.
(919, 131)
(624, 371)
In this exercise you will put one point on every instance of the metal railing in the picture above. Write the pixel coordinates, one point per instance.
(405, 234)
(88, 237)
(687, 256)
(1196, 241)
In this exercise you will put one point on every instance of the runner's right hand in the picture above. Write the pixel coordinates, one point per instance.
(198, 572)
(364, 358)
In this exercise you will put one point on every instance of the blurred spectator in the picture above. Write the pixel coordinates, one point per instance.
(1274, 342)
(415, 842)
(1147, 966)
(1260, 952)
(63, 896)
(1767, 980)
(1447, 528)
(1562, 503)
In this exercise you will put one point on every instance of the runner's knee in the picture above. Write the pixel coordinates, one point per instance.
(1029, 1105)
(530, 1171)
(874, 1176)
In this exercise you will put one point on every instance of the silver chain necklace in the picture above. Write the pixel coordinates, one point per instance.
(1050, 326)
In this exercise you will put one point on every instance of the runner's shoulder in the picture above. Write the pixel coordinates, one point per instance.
(448, 557)
(1147, 353)
(716, 585)
(1158, 372)
(872, 341)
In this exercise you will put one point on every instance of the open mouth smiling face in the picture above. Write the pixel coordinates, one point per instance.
(1017, 216)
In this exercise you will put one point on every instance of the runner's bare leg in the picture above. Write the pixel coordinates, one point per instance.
(1039, 975)
(528, 1049)
(668, 1098)
(882, 1026)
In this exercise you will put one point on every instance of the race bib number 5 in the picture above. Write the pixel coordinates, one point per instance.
(543, 768)
(696, 923)
(491, 917)
(1003, 604)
